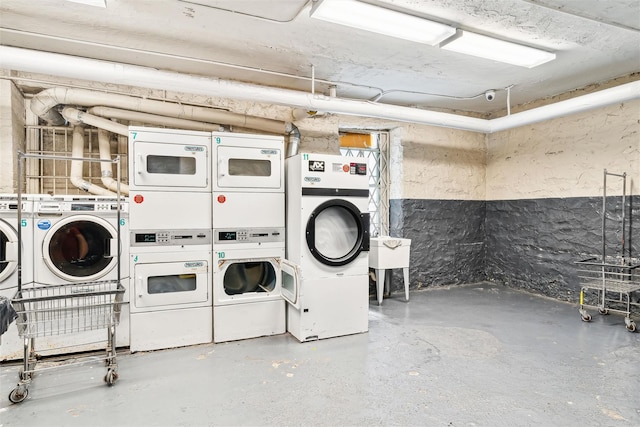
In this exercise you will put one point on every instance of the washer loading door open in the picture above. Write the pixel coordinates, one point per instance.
(337, 232)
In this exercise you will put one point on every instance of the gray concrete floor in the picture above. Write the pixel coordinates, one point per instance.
(478, 355)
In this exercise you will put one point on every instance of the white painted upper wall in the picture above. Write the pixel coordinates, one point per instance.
(440, 163)
(565, 157)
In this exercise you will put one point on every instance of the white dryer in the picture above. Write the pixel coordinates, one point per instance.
(78, 239)
(328, 237)
(248, 178)
(11, 345)
(171, 288)
(251, 282)
(251, 279)
(170, 179)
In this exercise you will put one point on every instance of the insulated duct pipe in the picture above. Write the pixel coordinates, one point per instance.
(116, 113)
(106, 169)
(118, 73)
(74, 115)
(152, 119)
(77, 151)
(44, 102)
(614, 95)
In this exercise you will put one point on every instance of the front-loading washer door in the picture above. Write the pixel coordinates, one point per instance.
(337, 232)
(80, 248)
(8, 251)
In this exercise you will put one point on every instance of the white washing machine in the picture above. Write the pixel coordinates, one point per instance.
(75, 239)
(11, 345)
(171, 288)
(328, 237)
(251, 279)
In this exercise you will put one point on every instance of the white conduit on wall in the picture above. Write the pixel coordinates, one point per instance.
(116, 73)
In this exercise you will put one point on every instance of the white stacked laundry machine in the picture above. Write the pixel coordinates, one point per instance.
(170, 243)
(328, 237)
(251, 278)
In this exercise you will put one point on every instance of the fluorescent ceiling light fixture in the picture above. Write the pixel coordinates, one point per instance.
(498, 50)
(379, 20)
(97, 3)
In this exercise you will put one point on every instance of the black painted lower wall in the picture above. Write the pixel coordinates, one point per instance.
(447, 240)
(528, 244)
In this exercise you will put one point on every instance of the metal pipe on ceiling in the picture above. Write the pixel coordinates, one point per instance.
(117, 73)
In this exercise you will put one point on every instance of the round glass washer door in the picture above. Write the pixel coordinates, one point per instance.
(78, 248)
(7, 236)
(337, 232)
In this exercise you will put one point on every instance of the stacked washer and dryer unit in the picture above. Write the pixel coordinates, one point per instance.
(328, 237)
(170, 242)
(252, 281)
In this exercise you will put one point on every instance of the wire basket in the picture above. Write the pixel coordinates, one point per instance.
(615, 274)
(45, 310)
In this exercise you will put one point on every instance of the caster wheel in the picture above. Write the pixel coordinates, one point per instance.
(603, 311)
(586, 317)
(18, 394)
(111, 377)
(631, 327)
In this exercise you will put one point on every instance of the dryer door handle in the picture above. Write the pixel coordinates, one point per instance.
(139, 287)
(140, 164)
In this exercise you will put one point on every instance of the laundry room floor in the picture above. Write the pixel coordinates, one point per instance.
(477, 355)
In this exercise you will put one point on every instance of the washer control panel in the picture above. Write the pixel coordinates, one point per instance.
(249, 235)
(170, 237)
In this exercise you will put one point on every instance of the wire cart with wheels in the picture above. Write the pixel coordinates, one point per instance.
(46, 310)
(609, 282)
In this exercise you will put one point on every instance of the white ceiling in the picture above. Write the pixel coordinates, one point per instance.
(275, 43)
